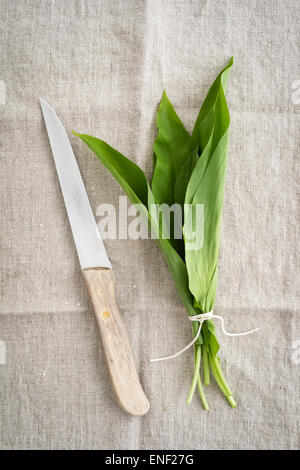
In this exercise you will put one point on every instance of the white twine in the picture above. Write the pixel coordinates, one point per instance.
(201, 318)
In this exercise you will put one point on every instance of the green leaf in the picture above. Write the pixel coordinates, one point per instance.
(172, 146)
(175, 262)
(202, 128)
(184, 175)
(206, 186)
(131, 178)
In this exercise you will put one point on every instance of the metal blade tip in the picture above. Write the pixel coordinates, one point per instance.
(44, 104)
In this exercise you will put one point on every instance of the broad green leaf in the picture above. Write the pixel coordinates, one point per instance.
(172, 146)
(184, 175)
(176, 264)
(131, 178)
(202, 128)
(206, 186)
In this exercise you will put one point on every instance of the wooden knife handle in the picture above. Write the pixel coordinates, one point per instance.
(116, 344)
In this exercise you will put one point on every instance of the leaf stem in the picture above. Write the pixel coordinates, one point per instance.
(217, 378)
(220, 374)
(206, 373)
(196, 375)
(201, 393)
(231, 401)
(220, 379)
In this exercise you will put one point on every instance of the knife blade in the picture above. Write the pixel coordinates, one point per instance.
(96, 269)
(89, 245)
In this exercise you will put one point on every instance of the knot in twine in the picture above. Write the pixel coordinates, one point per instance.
(201, 318)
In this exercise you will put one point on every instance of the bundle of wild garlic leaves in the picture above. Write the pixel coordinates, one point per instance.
(188, 170)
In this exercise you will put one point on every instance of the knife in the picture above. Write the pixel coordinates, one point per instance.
(97, 270)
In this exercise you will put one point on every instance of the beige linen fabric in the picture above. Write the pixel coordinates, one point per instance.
(103, 65)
